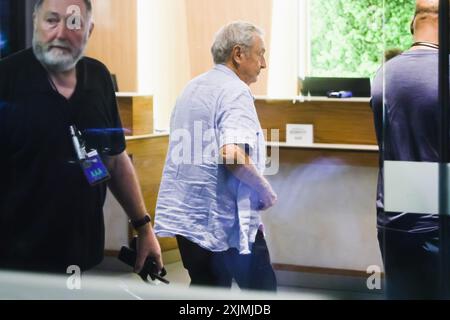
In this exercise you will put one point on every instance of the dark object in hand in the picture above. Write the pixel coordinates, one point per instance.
(128, 256)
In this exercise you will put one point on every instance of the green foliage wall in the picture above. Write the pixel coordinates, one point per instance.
(349, 37)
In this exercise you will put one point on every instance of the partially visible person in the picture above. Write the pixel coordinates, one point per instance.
(55, 107)
(392, 53)
(409, 241)
(211, 199)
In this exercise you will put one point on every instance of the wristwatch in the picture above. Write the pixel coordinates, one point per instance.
(141, 222)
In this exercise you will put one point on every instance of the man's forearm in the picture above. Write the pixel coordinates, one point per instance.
(124, 185)
(242, 167)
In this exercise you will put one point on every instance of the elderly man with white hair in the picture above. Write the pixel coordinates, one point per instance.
(213, 189)
(409, 241)
(62, 143)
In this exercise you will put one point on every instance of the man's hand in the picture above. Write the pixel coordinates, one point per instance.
(147, 245)
(265, 198)
(243, 168)
(125, 187)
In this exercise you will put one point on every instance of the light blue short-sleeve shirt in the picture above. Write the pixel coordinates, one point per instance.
(199, 198)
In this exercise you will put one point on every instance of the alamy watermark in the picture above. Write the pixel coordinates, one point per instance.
(200, 146)
(374, 280)
(73, 22)
(74, 280)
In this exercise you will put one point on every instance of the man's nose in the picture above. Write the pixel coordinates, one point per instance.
(263, 63)
(62, 30)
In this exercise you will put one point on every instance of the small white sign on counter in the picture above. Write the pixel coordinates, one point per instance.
(299, 134)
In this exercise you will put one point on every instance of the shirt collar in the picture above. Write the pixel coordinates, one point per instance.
(223, 68)
(227, 70)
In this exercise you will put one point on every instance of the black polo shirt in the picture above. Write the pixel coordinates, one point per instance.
(50, 217)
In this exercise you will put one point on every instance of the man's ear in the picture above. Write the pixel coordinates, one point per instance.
(91, 28)
(411, 27)
(34, 20)
(236, 54)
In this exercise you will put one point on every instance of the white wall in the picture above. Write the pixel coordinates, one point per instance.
(284, 49)
(163, 55)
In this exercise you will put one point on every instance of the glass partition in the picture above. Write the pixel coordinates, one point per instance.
(410, 103)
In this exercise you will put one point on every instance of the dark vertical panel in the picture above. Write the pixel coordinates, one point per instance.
(444, 101)
(16, 25)
(29, 8)
(4, 27)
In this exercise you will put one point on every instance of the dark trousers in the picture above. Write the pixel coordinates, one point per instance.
(411, 263)
(217, 269)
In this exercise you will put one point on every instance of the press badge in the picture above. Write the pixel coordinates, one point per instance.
(91, 163)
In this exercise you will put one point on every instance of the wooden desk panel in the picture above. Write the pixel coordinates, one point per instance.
(289, 156)
(343, 122)
(136, 113)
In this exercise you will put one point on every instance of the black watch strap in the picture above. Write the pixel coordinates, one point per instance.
(141, 222)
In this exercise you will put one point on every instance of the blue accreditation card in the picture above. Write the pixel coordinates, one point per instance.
(94, 169)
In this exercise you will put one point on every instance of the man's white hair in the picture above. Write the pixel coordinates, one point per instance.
(236, 33)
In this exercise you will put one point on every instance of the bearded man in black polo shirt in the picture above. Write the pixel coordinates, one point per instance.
(60, 141)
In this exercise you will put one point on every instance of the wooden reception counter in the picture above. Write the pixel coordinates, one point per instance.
(325, 220)
(337, 121)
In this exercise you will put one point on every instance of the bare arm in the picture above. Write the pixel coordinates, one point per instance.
(125, 187)
(243, 168)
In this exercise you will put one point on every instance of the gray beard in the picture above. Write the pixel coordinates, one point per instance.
(60, 63)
